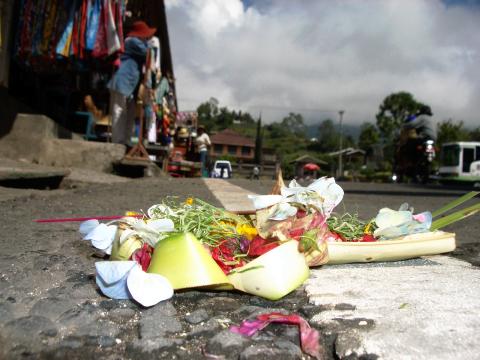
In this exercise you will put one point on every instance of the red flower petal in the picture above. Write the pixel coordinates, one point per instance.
(296, 233)
(259, 246)
(143, 256)
(368, 238)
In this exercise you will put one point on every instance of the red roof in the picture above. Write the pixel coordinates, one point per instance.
(230, 137)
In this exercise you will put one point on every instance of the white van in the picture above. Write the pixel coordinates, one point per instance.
(222, 169)
(460, 163)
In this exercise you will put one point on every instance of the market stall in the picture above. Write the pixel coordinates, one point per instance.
(64, 51)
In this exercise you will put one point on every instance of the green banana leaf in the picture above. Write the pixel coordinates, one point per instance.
(454, 217)
(455, 203)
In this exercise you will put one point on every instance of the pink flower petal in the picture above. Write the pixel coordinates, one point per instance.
(420, 217)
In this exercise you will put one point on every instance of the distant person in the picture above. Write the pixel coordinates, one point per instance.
(203, 143)
(126, 80)
(421, 125)
(256, 173)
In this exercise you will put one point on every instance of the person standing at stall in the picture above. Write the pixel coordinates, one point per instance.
(125, 82)
(203, 143)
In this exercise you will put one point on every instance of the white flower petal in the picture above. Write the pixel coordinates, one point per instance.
(148, 289)
(87, 226)
(155, 210)
(112, 278)
(108, 250)
(323, 193)
(404, 207)
(387, 218)
(125, 235)
(264, 201)
(102, 236)
(389, 232)
(283, 211)
(328, 189)
(161, 225)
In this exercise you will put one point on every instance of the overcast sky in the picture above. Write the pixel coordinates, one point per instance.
(316, 57)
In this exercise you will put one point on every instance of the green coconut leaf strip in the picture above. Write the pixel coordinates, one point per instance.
(454, 217)
(455, 203)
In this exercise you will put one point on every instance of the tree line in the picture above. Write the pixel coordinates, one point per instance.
(289, 136)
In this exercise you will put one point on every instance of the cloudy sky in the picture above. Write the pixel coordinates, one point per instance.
(316, 57)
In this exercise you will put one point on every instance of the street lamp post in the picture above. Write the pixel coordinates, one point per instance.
(340, 164)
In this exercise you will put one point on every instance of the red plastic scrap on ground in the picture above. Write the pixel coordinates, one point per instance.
(309, 338)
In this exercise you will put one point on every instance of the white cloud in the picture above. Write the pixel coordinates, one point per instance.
(282, 56)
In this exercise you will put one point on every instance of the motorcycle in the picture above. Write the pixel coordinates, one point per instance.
(413, 160)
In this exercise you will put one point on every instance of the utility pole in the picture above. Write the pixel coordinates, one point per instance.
(340, 164)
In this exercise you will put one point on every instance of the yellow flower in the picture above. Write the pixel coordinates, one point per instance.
(132, 213)
(368, 228)
(249, 231)
(189, 201)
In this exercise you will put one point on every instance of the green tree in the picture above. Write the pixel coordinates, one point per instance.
(214, 117)
(393, 111)
(288, 138)
(245, 118)
(259, 142)
(207, 113)
(369, 136)
(277, 131)
(449, 130)
(294, 122)
(328, 136)
(475, 134)
(225, 118)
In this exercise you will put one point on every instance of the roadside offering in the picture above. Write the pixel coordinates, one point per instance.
(181, 244)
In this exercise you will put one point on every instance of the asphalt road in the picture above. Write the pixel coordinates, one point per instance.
(49, 306)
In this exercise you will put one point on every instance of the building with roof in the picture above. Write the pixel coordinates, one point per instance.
(229, 142)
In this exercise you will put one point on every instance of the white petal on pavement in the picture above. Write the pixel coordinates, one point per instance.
(148, 289)
(87, 226)
(112, 278)
(102, 236)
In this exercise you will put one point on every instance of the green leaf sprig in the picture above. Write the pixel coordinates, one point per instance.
(348, 226)
(209, 224)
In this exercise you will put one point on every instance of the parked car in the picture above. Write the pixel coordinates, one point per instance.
(222, 169)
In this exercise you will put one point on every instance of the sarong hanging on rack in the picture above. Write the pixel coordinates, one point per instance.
(69, 28)
(63, 46)
(113, 42)
(93, 19)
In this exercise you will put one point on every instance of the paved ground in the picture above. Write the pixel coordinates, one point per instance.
(50, 307)
(421, 308)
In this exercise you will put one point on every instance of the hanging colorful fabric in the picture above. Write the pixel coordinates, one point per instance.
(63, 46)
(48, 27)
(18, 33)
(113, 42)
(92, 24)
(75, 42)
(26, 34)
(37, 27)
(60, 23)
(119, 18)
(100, 48)
(82, 28)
